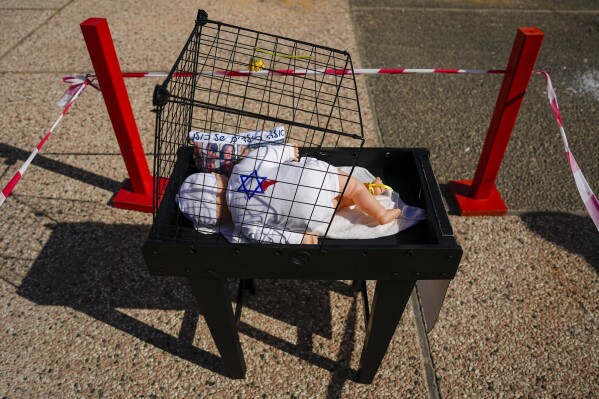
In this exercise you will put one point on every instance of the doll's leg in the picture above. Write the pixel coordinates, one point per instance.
(346, 201)
(365, 201)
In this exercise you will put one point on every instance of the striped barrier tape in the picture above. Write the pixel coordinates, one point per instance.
(328, 71)
(76, 89)
(80, 82)
(588, 197)
(76, 81)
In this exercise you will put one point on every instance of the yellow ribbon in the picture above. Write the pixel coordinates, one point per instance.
(371, 186)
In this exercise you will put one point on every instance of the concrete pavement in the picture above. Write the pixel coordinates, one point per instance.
(81, 317)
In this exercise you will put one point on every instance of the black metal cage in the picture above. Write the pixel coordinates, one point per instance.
(231, 94)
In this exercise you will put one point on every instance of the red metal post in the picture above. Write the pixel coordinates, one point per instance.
(136, 192)
(480, 196)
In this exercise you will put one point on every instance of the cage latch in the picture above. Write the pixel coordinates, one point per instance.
(202, 17)
(161, 96)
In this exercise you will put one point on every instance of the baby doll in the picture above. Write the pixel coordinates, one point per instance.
(272, 197)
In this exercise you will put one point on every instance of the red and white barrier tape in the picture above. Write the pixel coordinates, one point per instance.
(303, 72)
(588, 197)
(80, 82)
(74, 91)
(76, 81)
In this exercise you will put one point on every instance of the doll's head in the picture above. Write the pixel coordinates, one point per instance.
(202, 200)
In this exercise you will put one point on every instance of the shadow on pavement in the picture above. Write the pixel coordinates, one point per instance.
(97, 268)
(574, 233)
(13, 153)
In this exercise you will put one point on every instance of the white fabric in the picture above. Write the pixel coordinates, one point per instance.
(197, 201)
(297, 195)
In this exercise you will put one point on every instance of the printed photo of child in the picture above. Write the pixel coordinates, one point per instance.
(242, 151)
(211, 162)
(197, 155)
(206, 157)
(227, 159)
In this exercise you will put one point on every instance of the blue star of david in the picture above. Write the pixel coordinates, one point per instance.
(249, 192)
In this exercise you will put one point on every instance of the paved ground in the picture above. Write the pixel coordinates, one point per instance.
(450, 114)
(80, 316)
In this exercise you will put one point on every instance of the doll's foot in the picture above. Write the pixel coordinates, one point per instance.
(388, 216)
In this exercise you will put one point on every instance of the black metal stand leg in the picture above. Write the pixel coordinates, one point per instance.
(251, 286)
(213, 297)
(388, 304)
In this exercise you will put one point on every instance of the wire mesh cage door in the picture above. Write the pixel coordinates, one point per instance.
(236, 105)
